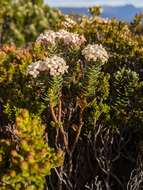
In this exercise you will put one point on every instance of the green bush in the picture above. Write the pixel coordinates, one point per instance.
(22, 21)
(26, 159)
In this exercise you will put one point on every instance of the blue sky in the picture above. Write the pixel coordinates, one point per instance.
(87, 3)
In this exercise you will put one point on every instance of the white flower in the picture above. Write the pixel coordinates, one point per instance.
(68, 23)
(55, 66)
(34, 73)
(33, 69)
(47, 37)
(68, 38)
(95, 52)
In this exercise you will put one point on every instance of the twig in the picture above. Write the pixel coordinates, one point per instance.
(53, 112)
(78, 133)
(59, 109)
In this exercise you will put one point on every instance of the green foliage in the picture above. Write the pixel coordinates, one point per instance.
(124, 46)
(123, 90)
(91, 77)
(55, 86)
(125, 83)
(95, 11)
(13, 70)
(25, 162)
(89, 95)
(22, 21)
(136, 25)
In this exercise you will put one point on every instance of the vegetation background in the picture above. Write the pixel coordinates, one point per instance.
(82, 130)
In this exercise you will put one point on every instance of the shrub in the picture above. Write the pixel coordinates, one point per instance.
(26, 159)
(85, 82)
(22, 21)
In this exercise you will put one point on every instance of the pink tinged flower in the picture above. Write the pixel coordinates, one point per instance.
(47, 37)
(95, 52)
(70, 38)
(51, 37)
(58, 66)
(42, 66)
(34, 73)
(68, 23)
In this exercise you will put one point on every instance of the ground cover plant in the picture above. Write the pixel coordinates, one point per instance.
(71, 106)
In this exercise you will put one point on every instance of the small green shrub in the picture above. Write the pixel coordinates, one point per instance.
(22, 21)
(25, 161)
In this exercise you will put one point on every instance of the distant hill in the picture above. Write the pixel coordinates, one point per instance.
(125, 13)
(76, 10)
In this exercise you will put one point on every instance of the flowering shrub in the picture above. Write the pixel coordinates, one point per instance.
(55, 65)
(84, 80)
(68, 22)
(47, 37)
(64, 36)
(58, 73)
(95, 52)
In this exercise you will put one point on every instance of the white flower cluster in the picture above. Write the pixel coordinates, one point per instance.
(55, 66)
(62, 35)
(70, 38)
(68, 23)
(47, 37)
(95, 52)
(33, 69)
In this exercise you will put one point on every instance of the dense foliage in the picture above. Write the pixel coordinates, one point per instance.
(25, 159)
(84, 80)
(21, 21)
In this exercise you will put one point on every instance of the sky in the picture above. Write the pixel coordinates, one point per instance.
(88, 3)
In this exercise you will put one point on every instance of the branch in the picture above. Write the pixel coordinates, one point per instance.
(53, 112)
(78, 133)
